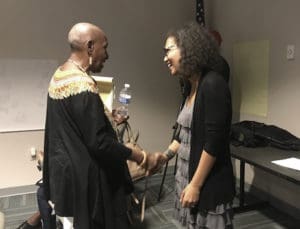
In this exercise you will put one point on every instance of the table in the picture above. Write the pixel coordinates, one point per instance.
(262, 158)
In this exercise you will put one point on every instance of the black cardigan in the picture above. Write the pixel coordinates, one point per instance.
(210, 132)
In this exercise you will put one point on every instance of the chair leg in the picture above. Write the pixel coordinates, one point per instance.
(175, 166)
(162, 181)
(164, 176)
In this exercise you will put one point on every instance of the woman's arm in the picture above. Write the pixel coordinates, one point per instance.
(174, 146)
(171, 150)
(190, 195)
(205, 165)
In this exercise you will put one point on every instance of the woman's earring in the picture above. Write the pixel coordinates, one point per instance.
(90, 60)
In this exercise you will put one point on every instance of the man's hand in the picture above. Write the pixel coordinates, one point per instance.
(155, 161)
(40, 159)
(137, 155)
(40, 156)
(117, 117)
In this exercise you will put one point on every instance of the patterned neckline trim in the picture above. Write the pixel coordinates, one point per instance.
(77, 65)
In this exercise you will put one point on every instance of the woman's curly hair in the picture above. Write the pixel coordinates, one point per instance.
(199, 50)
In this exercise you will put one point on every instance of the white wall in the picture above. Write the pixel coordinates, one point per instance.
(276, 21)
(17, 168)
(35, 29)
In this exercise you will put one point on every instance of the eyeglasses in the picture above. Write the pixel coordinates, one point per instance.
(168, 49)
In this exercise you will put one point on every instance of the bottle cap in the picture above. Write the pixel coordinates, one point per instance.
(127, 85)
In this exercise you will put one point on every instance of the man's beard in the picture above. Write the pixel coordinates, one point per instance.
(96, 69)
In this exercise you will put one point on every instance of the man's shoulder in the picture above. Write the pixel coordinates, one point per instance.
(68, 83)
(212, 77)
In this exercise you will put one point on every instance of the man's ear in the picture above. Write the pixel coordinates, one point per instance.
(90, 47)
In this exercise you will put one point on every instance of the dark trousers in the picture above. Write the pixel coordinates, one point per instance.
(49, 220)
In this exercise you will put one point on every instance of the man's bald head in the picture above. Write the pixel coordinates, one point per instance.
(83, 33)
(88, 46)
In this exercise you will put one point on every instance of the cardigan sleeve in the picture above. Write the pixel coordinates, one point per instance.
(217, 110)
(87, 111)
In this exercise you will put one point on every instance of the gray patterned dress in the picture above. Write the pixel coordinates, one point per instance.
(221, 217)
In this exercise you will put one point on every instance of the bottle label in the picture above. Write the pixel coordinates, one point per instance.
(124, 100)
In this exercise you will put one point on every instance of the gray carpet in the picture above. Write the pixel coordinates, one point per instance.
(158, 214)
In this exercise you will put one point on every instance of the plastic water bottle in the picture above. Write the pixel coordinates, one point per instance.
(124, 99)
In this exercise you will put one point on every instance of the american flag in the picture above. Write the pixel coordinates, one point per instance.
(200, 18)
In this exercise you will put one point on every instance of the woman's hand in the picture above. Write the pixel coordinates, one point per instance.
(190, 196)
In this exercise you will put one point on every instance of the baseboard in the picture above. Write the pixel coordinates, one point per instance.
(20, 190)
(17, 203)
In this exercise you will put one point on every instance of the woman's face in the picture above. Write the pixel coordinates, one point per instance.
(172, 55)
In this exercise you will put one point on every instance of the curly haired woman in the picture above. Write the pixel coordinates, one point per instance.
(204, 186)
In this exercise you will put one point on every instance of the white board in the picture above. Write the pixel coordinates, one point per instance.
(23, 93)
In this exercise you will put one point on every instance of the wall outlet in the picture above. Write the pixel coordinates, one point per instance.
(33, 152)
(290, 52)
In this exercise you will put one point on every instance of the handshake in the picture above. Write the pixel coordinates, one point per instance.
(152, 162)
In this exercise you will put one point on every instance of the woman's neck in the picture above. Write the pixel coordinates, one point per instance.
(194, 80)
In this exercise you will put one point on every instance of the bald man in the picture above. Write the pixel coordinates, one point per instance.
(222, 67)
(85, 172)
